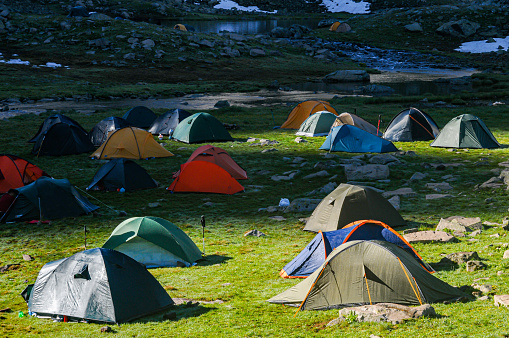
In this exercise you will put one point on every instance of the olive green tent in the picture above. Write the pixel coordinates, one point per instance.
(367, 272)
(317, 124)
(349, 203)
(465, 131)
(153, 241)
(201, 127)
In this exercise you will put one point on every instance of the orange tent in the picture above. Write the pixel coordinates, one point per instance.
(16, 172)
(218, 156)
(341, 27)
(207, 177)
(131, 143)
(303, 110)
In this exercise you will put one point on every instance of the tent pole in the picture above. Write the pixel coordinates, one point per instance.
(85, 237)
(203, 232)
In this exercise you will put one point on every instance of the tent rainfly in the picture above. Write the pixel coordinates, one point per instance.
(411, 125)
(99, 133)
(315, 253)
(305, 109)
(466, 131)
(166, 123)
(16, 172)
(97, 285)
(367, 272)
(131, 143)
(201, 127)
(350, 203)
(153, 241)
(351, 139)
(318, 124)
(140, 117)
(121, 173)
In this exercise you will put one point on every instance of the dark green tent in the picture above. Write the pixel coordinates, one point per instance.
(367, 272)
(121, 173)
(466, 131)
(201, 127)
(350, 203)
(140, 117)
(99, 285)
(50, 121)
(62, 139)
(47, 198)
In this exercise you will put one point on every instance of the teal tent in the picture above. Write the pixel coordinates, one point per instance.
(201, 127)
(465, 131)
(355, 140)
(317, 124)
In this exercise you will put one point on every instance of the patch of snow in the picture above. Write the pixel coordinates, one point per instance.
(483, 46)
(52, 65)
(348, 6)
(15, 62)
(229, 4)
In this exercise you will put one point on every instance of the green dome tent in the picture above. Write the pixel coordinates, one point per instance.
(317, 124)
(98, 285)
(350, 203)
(367, 272)
(154, 242)
(466, 131)
(201, 127)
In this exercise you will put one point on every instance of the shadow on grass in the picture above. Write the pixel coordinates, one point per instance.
(212, 259)
(176, 313)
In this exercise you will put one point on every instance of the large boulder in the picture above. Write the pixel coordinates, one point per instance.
(430, 237)
(367, 172)
(460, 224)
(460, 257)
(347, 76)
(459, 29)
(385, 312)
(303, 205)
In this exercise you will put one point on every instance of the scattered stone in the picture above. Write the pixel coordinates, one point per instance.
(430, 237)
(483, 298)
(222, 104)
(208, 204)
(484, 288)
(413, 27)
(288, 177)
(460, 224)
(417, 176)
(383, 159)
(226, 284)
(405, 192)
(326, 189)
(367, 172)
(105, 329)
(461, 28)
(170, 316)
(495, 236)
(475, 265)
(386, 312)
(325, 165)
(506, 254)
(300, 140)
(148, 44)
(256, 52)
(438, 196)
(154, 205)
(278, 218)
(303, 205)
(501, 300)
(459, 257)
(475, 233)
(347, 76)
(322, 173)
(395, 201)
(269, 150)
(439, 187)
(255, 233)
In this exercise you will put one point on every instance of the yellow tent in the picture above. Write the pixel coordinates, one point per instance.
(341, 27)
(181, 27)
(132, 143)
(303, 110)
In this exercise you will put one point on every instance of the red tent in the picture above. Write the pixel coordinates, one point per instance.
(207, 177)
(16, 172)
(217, 156)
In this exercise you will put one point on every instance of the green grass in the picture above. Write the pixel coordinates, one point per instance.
(251, 265)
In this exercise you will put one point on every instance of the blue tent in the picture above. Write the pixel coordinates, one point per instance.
(316, 252)
(355, 140)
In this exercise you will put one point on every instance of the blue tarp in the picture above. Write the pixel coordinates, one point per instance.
(355, 140)
(315, 253)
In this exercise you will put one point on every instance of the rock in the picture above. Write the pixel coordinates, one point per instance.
(237, 37)
(459, 29)
(483, 298)
(506, 254)
(405, 192)
(322, 173)
(460, 224)
(303, 205)
(459, 257)
(208, 204)
(347, 76)
(326, 189)
(222, 104)
(417, 176)
(409, 231)
(492, 183)
(395, 201)
(288, 177)
(154, 205)
(484, 288)
(439, 187)
(367, 172)
(501, 300)
(413, 27)
(256, 52)
(430, 237)
(268, 150)
(206, 43)
(300, 140)
(105, 329)
(383, 159)
(475, 265)
(99, 17)
(278, 218)
(27, 258)
(130, 56)
(376, 89)
(437, 196)
(170, 315)
(387, 312)
(148, 44)
(226, 284)
(255, 233)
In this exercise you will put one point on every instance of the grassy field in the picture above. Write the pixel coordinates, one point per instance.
(241, 273)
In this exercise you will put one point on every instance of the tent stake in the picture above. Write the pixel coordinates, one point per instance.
(203, 232)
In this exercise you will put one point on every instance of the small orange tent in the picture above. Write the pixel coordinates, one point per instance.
(303, 110)
(207, 177)
(340, 27)
(131, 143)
(220, 157)
(180, 27)
(16, 172)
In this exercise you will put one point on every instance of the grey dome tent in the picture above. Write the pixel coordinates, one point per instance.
(168, 122)
(317, 124)
(367, 272)
(350, 203)
(98, 285)
(47, 198)
(411, 125)
(52, 120)
(99, 133)
(466, 131)
(154, 241)
(62, 139)
(140, 117)
(121, 173)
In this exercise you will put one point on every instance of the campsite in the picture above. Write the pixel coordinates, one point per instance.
(216, 236)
